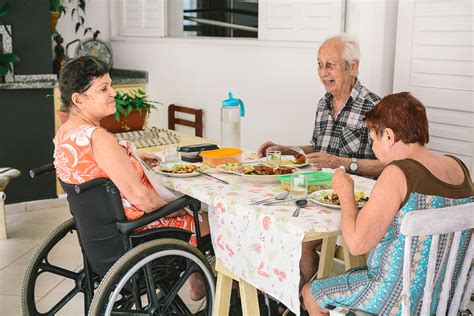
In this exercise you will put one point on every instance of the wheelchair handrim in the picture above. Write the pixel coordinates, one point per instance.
(146, 260)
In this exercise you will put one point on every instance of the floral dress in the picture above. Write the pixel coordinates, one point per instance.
(74, 162)
(377, 288)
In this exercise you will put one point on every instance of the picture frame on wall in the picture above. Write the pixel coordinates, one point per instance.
(6, 48)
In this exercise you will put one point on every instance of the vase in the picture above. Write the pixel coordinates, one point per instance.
(134, 121)
(54, 19)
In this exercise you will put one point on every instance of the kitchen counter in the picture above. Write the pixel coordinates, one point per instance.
(48, 81)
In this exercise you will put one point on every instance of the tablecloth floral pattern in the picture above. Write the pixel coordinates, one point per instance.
(260, 244)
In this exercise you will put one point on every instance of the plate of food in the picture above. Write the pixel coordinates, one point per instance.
(298, 161)
(330, 199)
(180, 170)
(258, 173)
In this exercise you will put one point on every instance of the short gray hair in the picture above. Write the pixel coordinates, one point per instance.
(351, 51)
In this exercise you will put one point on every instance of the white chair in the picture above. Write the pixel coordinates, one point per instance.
(435, 222)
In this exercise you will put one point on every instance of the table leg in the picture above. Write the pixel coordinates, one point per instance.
(3, 220)
(223, 291)
(248, 293)
(249, 299)
(327, 256)
(351, 261)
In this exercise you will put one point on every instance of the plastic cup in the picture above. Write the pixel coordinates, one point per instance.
(299, 186)
(171, 153)
(274, 155)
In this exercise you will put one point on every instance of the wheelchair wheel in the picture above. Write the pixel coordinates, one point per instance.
(151, 279)
(47, 266)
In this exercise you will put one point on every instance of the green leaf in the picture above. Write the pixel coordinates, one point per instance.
(3, 69)
(140, 91)
(3, 10)
(10, 58)
(129, 109)
(121, 111)
(72, 12)
(117, 116)
(96, 34)
(78, 25)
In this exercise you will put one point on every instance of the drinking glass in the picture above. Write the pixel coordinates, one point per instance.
(299, 186)
(274, 155)
(171, 153)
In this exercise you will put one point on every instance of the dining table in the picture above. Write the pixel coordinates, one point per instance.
(257, 245)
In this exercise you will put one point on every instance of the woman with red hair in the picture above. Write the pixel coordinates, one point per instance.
(414, 178)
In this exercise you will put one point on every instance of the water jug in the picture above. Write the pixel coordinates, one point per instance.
(231, 111)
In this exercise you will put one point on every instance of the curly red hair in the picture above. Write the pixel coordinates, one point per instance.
(404, 114)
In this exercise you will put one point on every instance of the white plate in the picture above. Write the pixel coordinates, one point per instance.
(317, 195)
(222, 168)
(284, 162)
(179, 175)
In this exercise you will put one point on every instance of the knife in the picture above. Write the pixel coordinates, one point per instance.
(211, 176)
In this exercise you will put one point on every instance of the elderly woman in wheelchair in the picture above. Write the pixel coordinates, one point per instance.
(135, 242)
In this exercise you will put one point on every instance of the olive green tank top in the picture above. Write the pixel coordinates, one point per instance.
(422, 181)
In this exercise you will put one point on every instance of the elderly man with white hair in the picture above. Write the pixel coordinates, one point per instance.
(340, 136)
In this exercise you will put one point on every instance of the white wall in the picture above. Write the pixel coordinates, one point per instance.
(276, 80)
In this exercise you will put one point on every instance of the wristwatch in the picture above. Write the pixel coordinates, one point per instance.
(353, 166)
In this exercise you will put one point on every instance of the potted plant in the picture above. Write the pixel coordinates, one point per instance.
(56, 8)
(132, 106)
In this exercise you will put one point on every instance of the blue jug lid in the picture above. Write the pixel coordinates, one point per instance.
(231, 101)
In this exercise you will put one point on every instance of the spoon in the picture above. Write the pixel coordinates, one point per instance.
(299, 204)
(279, 197)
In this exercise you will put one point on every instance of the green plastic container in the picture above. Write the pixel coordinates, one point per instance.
(317, 180)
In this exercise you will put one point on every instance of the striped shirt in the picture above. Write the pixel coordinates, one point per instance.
(347, 135)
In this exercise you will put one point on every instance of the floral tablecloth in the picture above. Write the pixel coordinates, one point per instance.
(260, 244)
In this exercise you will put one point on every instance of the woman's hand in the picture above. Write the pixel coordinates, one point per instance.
(343, 185)
(150, 159)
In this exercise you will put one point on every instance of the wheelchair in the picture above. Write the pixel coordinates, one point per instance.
(122, 271)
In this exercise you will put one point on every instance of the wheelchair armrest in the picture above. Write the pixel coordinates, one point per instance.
(90, 184)
(41, 170)
(127, 227)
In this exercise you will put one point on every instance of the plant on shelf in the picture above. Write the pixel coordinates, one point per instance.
(133, 106)
(78, 11)
(6, 59)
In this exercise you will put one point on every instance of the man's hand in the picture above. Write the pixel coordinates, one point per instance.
(268, 145)
(150, 159)
(324, 160)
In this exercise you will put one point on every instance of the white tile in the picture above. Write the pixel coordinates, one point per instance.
(10, 304)
(45, 204)
(12, 250)
(73, 307)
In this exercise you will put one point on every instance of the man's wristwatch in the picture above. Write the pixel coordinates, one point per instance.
(353, 166)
